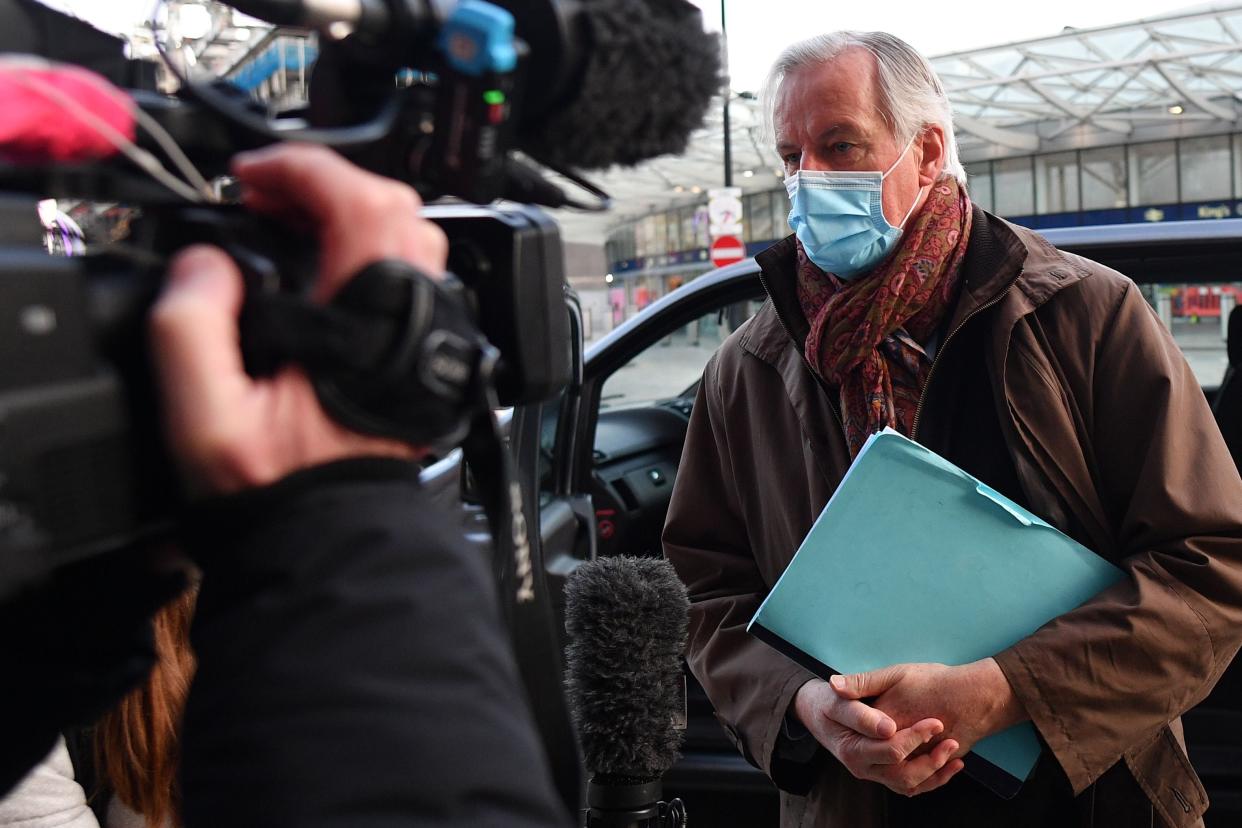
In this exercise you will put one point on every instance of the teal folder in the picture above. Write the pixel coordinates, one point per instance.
(914, 560)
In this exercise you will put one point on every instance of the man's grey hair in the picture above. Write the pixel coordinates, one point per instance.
(911, 95)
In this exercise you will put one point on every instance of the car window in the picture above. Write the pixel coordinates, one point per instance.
(672, 366)
(1198, 316)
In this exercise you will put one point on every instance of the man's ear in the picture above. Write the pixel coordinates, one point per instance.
(931, 154)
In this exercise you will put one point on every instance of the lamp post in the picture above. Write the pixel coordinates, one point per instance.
(728, 139)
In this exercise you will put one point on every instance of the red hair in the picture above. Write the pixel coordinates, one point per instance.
(138, 742)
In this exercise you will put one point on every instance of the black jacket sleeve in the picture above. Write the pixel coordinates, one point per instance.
(73, 646)
(353, 670)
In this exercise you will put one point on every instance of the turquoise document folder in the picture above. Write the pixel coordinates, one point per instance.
(914, 560)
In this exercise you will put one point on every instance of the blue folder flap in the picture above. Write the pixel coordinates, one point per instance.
(915, 560)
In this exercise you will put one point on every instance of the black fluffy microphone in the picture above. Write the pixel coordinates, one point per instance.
(613, 81)
(626, 619)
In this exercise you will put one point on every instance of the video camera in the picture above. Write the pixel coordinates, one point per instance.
(434, 93)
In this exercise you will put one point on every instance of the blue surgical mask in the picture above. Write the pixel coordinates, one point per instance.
(839, 218)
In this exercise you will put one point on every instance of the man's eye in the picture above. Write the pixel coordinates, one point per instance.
(842, 147)
(791, 159)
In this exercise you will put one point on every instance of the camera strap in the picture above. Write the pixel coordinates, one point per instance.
(525, 602)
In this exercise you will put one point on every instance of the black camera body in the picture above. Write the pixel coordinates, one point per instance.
(82, 465)
(83, 469)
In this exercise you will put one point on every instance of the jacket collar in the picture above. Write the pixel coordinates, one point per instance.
(999, 256)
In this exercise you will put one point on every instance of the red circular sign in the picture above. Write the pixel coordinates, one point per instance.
(727, 250)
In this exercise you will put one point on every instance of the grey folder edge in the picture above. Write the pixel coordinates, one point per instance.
(914, 560)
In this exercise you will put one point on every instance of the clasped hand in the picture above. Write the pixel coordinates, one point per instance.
(920, 720)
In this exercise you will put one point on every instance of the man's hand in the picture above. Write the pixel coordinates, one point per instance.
(870, 745)
(228, 431)
(972, 701)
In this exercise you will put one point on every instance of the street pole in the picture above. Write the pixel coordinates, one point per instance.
(728, 139)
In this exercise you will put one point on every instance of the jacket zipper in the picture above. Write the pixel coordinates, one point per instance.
(822, 384)
(918, 410)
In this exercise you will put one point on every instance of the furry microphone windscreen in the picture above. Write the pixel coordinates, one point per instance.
(649, 72)
(627, 620)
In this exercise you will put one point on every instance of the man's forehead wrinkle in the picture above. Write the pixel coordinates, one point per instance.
(882, 116)
(847, 85)
(795, 114)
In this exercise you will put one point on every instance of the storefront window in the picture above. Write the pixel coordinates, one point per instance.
(760, 209)
(1205, 168)
(1198, 317)
(1056, 183)
(979, 183)
(642, 237)
(780, 214)
(701, 226)
(1153, 173)
(1237, 166)
(687, 228)
(1103, 178)
(1015, 187)
(659, 234)
(621, 244)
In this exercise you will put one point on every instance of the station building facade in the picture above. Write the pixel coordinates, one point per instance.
(1132, 123)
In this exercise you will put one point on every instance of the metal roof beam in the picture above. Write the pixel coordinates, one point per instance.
(1100, 104)
(1174, 17)
(1194, 97)
(1036, 108)
(1046, 59)
(1076, 112)
(1116, 64)
(1021, 141)
(1164, 37)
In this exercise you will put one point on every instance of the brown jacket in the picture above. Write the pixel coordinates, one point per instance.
(1111, 440)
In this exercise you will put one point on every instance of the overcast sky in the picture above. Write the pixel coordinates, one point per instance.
(758, 29)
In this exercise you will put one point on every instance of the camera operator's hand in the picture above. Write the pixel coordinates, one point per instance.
(227, 430)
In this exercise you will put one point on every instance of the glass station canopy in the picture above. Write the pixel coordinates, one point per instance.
(1157, 79)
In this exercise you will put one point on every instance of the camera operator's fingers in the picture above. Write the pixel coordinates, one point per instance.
(226, 430)
(362, 217)
(194, 337)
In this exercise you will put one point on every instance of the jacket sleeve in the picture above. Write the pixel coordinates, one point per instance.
(353, 669)
(750, 685)
(1105, 679)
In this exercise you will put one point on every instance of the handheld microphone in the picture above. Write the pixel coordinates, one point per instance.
(627, 620)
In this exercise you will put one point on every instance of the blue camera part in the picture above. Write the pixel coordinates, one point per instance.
(478, 38)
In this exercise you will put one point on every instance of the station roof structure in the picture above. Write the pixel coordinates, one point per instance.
(1178, 75)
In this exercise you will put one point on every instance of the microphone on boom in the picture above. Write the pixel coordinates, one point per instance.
(613, 82)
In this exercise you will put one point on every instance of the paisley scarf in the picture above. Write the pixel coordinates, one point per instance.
(865, 334)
